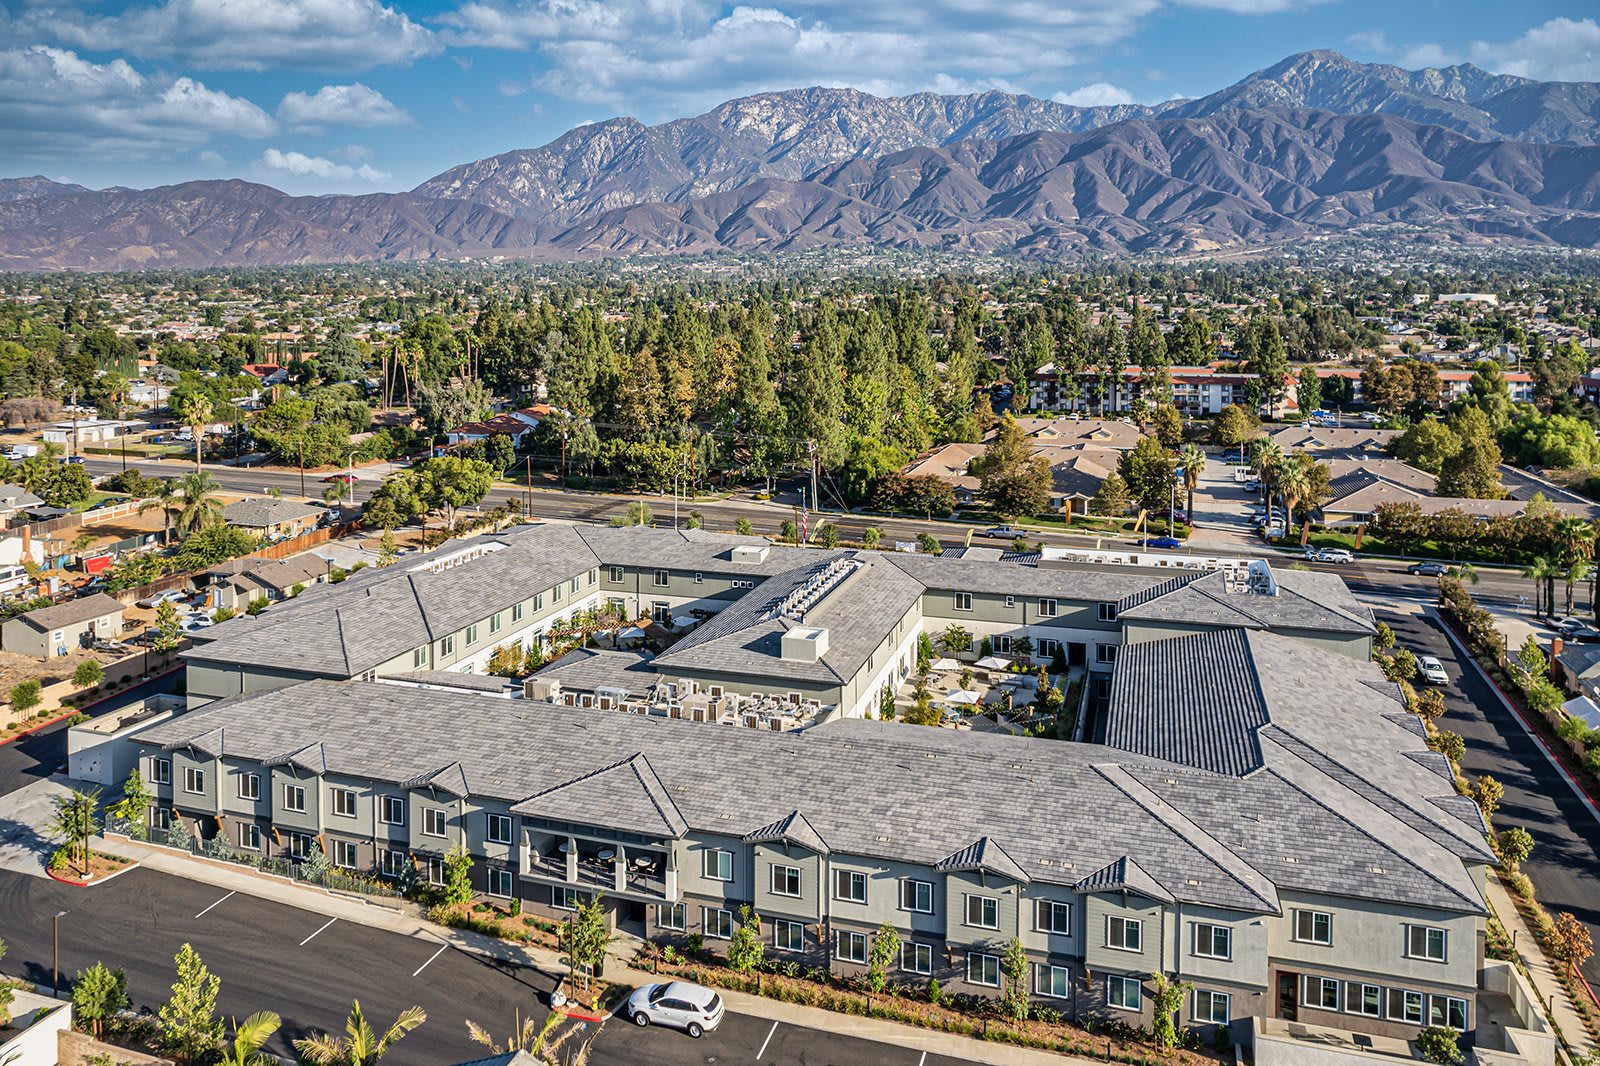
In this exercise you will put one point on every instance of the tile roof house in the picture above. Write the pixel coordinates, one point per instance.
(514, 424)
(272, 516)
(62, 627)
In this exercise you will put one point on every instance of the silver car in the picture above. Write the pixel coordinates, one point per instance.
(693, 1008)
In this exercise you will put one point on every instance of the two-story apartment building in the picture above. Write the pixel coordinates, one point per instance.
(1279, 836)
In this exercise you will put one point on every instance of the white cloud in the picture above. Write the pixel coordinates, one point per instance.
(1561, 49)
(1418, 56)
(342, 105)
(53, 102)
(316, 166)
(245, 34)
(1251, 7)
(210, 158)
(1096, 94)
(1373, 41)
(667, 56)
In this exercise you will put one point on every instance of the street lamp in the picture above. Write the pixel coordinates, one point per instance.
(55, 969)
(350, 477)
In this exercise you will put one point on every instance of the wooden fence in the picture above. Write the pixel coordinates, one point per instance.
(281, 550)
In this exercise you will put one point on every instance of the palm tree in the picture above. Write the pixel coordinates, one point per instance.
(165, 498)
(248, 1040)
(1576, 573)
(1266, 459)
(1539, 571)
(194, 410)
(1193, 459)
(526, 1036)
(1293, 485)
(201, 509)
(363, 1046)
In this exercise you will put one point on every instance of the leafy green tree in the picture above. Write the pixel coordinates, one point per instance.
(361, 1045)
(1450, 745)
(1487, 793)
(136, 800)
(870, 537)
(212, 545)
(637, 513)
(1308, 391)
(955, 640)
(743, 527)
(585, 939)
(88, 673)
(1013, 478)
(746, 949)
(25, 696)
(98, 993)
(457, 875)
(1111, 498)
(928, 544)
(1516, 844)
(257, 606)
(1193, 462)
(1440, 1044)
(1148, 471)
(1168, 425)
(189, 1023)
(169, 630)
(1232, 427)
(1426, 445)
(885, 953)
(1014, 965)
(199, 507)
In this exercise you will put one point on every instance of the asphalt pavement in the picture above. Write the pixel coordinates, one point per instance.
(1565, 863)
(42, 752)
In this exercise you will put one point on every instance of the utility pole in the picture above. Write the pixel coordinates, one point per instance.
(529, 509)
(55, 968)
(302, 445)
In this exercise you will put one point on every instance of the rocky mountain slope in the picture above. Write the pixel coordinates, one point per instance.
(1316, 144)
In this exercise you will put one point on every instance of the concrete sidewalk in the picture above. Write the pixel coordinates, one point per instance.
(1552, 993)
(404, 919)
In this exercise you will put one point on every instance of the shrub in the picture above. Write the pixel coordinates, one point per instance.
(1438, 1044)
(25, 696)
(88, 674)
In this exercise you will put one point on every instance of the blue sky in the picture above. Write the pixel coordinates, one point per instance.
(317, 96)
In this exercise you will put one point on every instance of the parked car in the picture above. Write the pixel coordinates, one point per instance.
(1431, 670)
(1585, 635)
(339, 479)
(1428, 569)
(1253, 485)
(1272, 532)
(76, 459)
(693, 1008)
(1165, 542)
(1335, 555)
(1006, 532)
(152, 602)
(1567, 625)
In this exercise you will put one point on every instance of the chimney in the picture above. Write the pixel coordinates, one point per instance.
(1555, 649)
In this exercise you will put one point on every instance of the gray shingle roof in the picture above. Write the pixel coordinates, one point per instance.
(267, 511)
(983, 854)
(792, 828)
(586, 669)
(81, 609)
(626, 795)
(1305, 599)
(1125, 875)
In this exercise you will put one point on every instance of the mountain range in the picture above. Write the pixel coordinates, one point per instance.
(1317, 145)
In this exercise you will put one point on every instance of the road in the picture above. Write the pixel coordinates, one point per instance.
(1373, 576)
(271, 956)
(1565, 864)
(41, 753)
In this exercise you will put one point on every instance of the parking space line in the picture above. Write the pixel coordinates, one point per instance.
(307, 940)
(767, 1041)
(435, 955)
(202, 914)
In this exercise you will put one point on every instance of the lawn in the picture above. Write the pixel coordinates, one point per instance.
(1427, 549)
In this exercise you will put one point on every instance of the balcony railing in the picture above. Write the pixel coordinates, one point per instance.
(621, 874)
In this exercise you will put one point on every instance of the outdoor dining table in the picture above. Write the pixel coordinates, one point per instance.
(606, 853)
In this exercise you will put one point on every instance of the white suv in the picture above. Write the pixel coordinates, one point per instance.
(693, 1008)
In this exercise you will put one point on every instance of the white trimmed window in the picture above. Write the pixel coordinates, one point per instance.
(850, 947)
(983, 969)
(916, 958)
(393, 862)
(299, 845)
(472, 634)
(250, 837)
(1105, 653)
(788, 936)
(1124, 934)
(567, 899)
(194, 780)
(344, 802)
(249, 787)
(916, 896)
(669, 915)
(1212, 1007)
(294, 797)
(983, 912)
(716, 864)
(1124, 993)
(1052, 916)
(1049, 608)
(433, 821)
(161, 771)
(1363, 999)
(500, 882)
(614, 575)
(1320, 992)
(344, 854)
(516, 612)
(435, 870)
(1313, 927)
(717, 923)
(447, 645)
(1425, 942)
(1108, 612)
(1405, 1006)
(498, 829)
(785, 880)
(494, 623)
(392, 810)
(1213, 941)
(661, 579)
(850, 886)
(1052, 982)
(1448, 1011)
(963, 601)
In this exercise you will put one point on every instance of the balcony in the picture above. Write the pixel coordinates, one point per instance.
(606, 869)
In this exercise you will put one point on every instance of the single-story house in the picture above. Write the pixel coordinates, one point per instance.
(1324, 442)
(86, 431)
(270, 516)
(1076, 470)
(14, 498)
(1359, 487)
(514, 424)
(1577, 666)
(235, 583)
(267, 373)
(62, 627)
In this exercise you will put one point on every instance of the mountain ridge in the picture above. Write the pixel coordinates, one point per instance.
(1315, 144)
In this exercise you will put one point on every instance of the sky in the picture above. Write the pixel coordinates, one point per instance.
(359, 96)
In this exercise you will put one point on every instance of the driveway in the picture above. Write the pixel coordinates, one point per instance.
(1222, 508)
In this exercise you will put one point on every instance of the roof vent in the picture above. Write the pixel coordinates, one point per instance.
(751, 553)
(882, 839)
(1290, 858)
(805, 644)
(1374, 869)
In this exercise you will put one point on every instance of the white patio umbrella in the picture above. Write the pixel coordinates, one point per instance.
(961, 696)
(629, 633)
(994, 662)
(945, 666)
